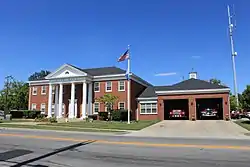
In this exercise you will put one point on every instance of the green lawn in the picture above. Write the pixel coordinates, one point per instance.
(108, 125)
(244, 124)
(58, 128)
(17, 120)
(96, 126)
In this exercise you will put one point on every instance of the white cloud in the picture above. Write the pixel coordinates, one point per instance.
(196, 57)
(166, 74)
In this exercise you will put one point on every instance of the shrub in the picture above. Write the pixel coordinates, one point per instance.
(94, 117)
(103, 116)
(52, 120)
(120, 115)
(16, 114)
(31, 113)
(116, 115)
(25, 114)
(41, 118)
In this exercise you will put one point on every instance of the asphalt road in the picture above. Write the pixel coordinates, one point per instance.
(61, 149)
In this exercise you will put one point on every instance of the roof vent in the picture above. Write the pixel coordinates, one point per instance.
(193, 75)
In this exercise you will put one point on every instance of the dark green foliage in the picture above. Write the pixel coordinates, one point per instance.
(39, 75)
(103, 116)
(31, 114)
(52, 120)
(246, 98)
(120, 115)
(94, 117)
(41, 118)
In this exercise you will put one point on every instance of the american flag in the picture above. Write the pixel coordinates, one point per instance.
(124, 56)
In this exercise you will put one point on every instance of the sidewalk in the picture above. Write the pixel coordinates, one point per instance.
(194, 129)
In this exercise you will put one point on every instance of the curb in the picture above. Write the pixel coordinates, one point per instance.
(108, 133)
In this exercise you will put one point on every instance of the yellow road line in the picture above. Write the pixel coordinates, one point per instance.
(131, 143)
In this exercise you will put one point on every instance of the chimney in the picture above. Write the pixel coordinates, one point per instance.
(193, 75)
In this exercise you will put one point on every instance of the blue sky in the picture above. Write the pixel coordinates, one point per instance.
(166, 37)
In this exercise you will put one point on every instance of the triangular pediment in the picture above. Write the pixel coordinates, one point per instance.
(66, 71)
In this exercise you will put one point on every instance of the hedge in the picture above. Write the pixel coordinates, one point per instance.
(120, 115)
(116, 115)
(103, 116)
(25, 114)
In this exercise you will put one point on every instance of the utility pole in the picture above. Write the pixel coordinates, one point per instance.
(231, 29)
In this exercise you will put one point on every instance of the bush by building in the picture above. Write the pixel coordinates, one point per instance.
(31, 114)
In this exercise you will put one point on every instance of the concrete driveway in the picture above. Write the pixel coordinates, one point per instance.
(194, 129)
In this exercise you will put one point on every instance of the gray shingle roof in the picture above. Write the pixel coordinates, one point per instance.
(104, 71)
(190, 84)
(109, 71)
(148, 92)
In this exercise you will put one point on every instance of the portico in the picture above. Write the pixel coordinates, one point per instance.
(71, 88)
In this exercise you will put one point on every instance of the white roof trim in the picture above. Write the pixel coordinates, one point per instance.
(223, 90)
(109, 76)
(152, 101)
(39, 82)
(63, 66)
(147, 98)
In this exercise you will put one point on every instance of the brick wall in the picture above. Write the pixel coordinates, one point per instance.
(39, 98)
(122, 95)
(136, 90)
(148, 116)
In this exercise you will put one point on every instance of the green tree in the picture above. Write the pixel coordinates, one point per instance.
(19, 95)
(215, 81)
(14, 95)
(233, 104)
(108, 100)
(2, 100)
(246, 98)
(39, 75)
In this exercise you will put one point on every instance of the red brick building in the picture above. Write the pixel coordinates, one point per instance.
(71, 92)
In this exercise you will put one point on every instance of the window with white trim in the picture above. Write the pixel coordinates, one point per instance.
(108, 108)
(43, 108)
(53, 109)
(33, 106)
(34, 90)
(96, 107)
(121, 105)
(148, 108)
(108, 86)
(97, 87)
(121, 86)
(43, 90)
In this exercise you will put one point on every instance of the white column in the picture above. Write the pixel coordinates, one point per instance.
(72, 101)
(84, 99)
(60, 101)
(90, 99)
(56, 100)
(50, 101)
(75, 112)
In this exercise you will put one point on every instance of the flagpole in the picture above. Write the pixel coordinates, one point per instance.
(128, 91)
